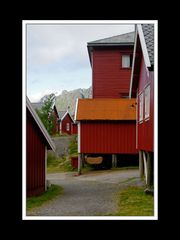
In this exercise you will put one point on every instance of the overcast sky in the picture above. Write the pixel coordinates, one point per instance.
(57, 56)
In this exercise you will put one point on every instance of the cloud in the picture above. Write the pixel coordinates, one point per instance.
(57, 56)
(37, 96)
(48, 44)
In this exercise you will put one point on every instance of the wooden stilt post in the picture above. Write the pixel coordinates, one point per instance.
(82, 157)
(141, 166)
(149, 170)
(112, 160)
(145, 166)
(115, 160)
(79, 164)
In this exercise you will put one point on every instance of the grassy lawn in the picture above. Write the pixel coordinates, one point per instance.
(58, 164)
(134, 202)
(51, 193)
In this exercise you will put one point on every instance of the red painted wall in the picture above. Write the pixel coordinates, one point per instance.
(108, 137)
(74, 128)
(66, 120)
(109, 79)
(35, 158)
(145, 129)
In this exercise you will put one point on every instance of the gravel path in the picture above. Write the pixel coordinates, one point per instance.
(91, 194)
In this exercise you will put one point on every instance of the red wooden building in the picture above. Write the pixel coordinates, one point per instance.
(111, 60)
(37, 143)
(106, 126)
(142, 87)
(55, 129)
(66, 123)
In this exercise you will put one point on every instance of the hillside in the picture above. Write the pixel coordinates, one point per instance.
(68, 99)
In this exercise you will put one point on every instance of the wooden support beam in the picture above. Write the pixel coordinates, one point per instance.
(145, 166)
(141, 165)
(79, 164)
(149, 170)
(114, 160)
(82, 159)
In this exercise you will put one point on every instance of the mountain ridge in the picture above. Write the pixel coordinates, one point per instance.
(67, 99)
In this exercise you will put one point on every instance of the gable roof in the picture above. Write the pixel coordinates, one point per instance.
(146, 36)
(144, 40)
(119, 40)
(40, 125)
(62, 115)
(148, 31)
(126, 39)
(106, 109)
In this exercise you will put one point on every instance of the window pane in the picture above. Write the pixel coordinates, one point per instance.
(125, 61)
(67, 126)
(147, 102)
(141, 107)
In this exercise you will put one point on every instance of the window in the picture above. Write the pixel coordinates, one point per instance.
(67, 126)
(126, 61)
(147, 101)
(141, 107)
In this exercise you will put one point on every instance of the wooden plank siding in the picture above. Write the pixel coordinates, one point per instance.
(108, 137)
(109, 79)
(35, 156)
(145, 128)
(66, 119)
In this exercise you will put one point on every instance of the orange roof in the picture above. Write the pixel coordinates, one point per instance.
(106, 109)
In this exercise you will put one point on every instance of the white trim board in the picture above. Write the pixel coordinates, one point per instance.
(65, 116)
(143, 46)
(132, 70)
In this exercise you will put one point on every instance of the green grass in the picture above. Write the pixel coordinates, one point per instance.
(73, 148)
(134, 202)
(50, 194)
(58, 164)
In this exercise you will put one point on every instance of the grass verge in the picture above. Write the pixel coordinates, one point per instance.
(50, 194)
(134, 202)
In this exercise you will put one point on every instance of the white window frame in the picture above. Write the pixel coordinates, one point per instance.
(68, 127)
(123, 56)
(141, 107)
(147, 102)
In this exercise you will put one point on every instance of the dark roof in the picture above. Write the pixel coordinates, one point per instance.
(61, 114)
(37, 105)
(123, 39)
(148, 31)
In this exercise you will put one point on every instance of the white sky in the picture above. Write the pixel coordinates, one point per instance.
(57, 56)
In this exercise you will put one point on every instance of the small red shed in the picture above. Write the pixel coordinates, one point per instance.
(38, 142)
(65, 122)
(111, 61)
(142, 87)
(106, 126)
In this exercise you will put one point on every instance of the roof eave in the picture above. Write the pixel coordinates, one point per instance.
(110, 44)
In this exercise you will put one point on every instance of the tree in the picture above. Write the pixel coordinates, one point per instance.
(46, 112)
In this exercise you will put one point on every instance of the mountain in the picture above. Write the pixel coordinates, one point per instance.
(68, 98)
